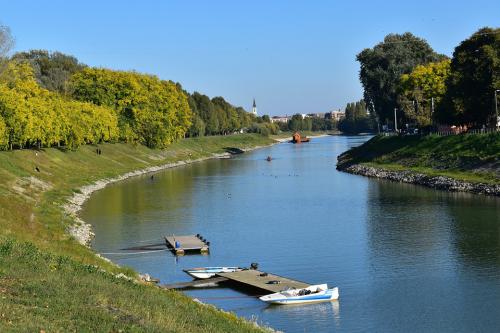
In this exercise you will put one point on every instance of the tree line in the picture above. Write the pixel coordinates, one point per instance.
(33, 116)
(405, 74)
(51, 99)
(357, 119)
(218, 117)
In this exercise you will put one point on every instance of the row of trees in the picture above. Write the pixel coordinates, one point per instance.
(216, 116)
(299, 123)
(49, 99)
(52, 70)
(357, 119)
(149, 110)
(403, 72)
(33, 116)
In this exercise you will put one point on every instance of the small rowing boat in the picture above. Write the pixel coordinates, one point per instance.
(311, 294)
(208, 272)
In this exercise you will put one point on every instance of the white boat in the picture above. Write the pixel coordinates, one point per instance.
(208, 272)
(311, 294)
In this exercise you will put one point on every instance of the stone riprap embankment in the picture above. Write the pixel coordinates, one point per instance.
(436, 182)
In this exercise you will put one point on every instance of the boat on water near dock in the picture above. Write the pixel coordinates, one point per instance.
(209, 272)
(297, 138)
(311, 294)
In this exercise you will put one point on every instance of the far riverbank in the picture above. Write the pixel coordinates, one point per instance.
(464, 163)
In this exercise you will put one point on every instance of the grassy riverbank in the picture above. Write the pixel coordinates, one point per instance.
(48, 281)
(471, 158)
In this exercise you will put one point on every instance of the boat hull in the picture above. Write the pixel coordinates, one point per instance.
(209, 272)
(285, 299)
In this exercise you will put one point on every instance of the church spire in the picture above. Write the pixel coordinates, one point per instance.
(254, 107)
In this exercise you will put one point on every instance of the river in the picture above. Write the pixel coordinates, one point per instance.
(405, 258)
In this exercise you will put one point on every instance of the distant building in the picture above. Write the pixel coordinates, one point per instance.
(254, 108)
(335, 115)
(280, 119)
(317, 115)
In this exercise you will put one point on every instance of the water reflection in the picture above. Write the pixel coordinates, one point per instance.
(476, 232)
(408, 228)
(311, 314)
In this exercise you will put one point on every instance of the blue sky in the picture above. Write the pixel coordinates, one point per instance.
(292, 56)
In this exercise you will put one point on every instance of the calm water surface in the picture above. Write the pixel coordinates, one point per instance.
(405, 258)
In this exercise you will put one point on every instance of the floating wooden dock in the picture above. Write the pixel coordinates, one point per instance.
(256, 279)
(264, 281)
(191, 243)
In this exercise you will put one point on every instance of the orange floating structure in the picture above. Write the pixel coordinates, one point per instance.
(297, 138)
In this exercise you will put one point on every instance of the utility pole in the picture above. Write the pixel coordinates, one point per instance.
(395, 121)
(432, 105)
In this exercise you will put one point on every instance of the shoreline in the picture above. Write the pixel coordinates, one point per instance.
(410, 177)
(83, 231)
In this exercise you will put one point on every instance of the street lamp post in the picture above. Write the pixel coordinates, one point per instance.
(496, 109)
(395, 121)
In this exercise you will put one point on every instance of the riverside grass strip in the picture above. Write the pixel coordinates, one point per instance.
(36, 295)
(468, 158)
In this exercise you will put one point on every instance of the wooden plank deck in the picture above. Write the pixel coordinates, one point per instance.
(254, 278)
(186, 243)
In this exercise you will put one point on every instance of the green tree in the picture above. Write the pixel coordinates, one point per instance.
(295, 124)
(246, 119)
(474, 77)
(204, 108)
(383, 65)
(356, 119)
(307, 124)
(52, 70)
(197, 127)
(422, 87)
(213, 124)
(320, 124)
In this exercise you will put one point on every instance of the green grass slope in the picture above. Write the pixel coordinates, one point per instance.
(469, 157)
(50, 282)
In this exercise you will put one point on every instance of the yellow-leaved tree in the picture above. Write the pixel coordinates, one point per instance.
(149, 110)
(422, 90)
(33, 116)
(4, 137)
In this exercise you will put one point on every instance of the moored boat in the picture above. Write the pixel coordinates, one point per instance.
(297, 138)
(208, 272)
(311, 294)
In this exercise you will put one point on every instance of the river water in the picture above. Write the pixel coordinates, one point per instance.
(405, 258)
